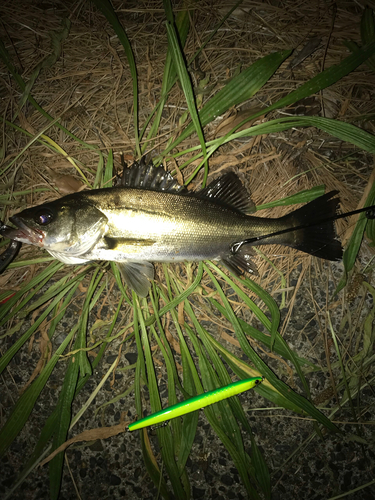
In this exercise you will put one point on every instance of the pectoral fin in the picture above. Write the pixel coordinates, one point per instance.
(123, 244)
(137, 275)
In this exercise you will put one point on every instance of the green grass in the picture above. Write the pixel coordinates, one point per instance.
(204, 360)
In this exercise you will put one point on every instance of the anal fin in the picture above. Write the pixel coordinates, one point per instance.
(137, 275)
(241, 262)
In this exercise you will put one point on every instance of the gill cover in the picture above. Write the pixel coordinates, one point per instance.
(82, 228)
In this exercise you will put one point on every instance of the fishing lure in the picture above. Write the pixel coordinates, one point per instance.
(196, 403)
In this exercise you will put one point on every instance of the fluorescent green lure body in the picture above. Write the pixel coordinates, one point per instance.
(196, 403)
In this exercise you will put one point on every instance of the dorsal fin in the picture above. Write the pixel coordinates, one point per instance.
(228, 189)
(144, 175)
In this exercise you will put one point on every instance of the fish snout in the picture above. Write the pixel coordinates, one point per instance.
(23, 232)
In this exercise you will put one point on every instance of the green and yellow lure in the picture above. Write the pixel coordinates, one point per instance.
(196, 403)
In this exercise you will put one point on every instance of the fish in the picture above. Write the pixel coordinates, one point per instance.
(148, 217)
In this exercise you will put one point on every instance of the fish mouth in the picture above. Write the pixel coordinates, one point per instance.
(23, 233)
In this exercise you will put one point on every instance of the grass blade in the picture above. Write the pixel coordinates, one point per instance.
(368, 32)
(62, 423)
(5, 359)
(302, 197)
(26, 402)
(182, 25)
(4, 55)
(106, 7)
(164, 434)
(319, 82)
(229, 410)
(352, 249)
(326, 78)
(108, 171)
(38, 281)
(57, 39)
(180, 66)
(341, 130)
(238, 90)
(296, 399)
(78, 364)
(220, 415)
(272, 325)
(280, 346)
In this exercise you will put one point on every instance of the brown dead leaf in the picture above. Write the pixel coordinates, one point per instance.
(128, 158)
(25, 124)
(91, 435)
(172, 341)
(6, 281)
(32, 338)
(179, 367)
(81, 288)
(158, 362)
(230, 339)
(181, 319)
(45, 347)
(179, 176)
(227, 125)
(66, 184)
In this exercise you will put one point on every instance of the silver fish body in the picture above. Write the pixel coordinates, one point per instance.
(163, 227)
(158, 221)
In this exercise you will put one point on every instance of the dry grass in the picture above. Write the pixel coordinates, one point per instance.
(90, 90)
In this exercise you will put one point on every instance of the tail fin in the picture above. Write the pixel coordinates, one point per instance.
(317, 235)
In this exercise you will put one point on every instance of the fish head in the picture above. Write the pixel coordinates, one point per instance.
(67, 226)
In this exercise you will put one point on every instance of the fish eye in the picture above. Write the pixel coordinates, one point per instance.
(44, 217)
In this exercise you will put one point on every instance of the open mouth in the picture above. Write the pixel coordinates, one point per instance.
(23, 233)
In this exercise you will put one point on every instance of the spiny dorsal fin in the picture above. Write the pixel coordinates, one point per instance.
(226, 189)
(144, 175)
(229, 190)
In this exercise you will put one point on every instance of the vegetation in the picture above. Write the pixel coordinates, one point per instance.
(168, 327)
